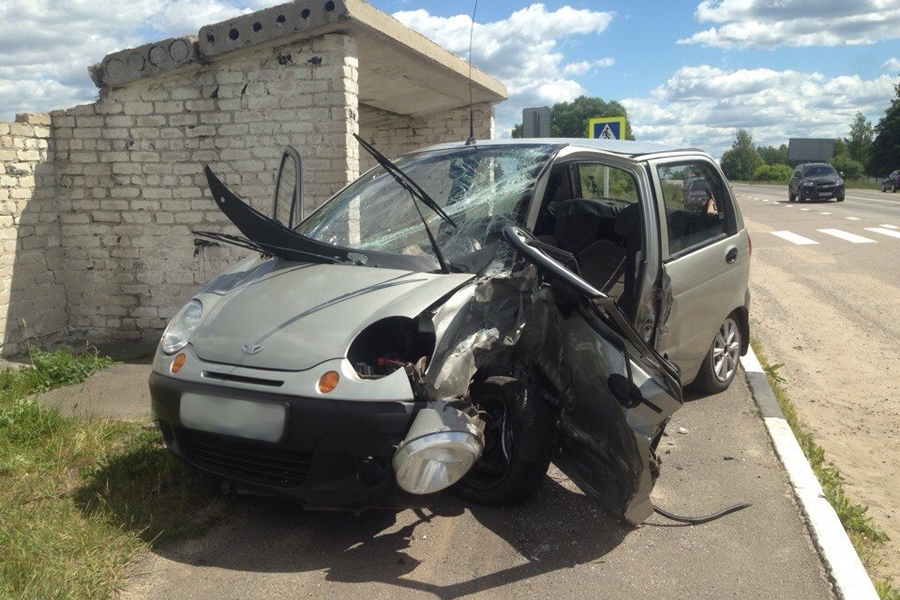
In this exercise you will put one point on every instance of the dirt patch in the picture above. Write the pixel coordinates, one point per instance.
(836, 333)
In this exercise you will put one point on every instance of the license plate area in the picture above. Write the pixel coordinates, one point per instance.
(249, 419)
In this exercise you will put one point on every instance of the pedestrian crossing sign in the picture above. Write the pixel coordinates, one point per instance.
(607, 128)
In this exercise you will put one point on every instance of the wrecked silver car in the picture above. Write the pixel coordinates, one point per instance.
(460, 318)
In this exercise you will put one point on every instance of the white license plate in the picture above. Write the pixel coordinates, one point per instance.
(242, 418)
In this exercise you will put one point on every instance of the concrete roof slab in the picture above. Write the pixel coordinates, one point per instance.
(400, 70)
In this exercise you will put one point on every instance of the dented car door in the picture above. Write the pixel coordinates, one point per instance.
(615, 392)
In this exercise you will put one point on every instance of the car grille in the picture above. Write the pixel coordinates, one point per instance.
(825, 187)
(244, 460)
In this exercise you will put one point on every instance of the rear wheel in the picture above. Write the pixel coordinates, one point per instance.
(721, 362)
(519, 441)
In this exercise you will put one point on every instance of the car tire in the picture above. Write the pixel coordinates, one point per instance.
(791, 195)
(839, 198)
(883, 188)
(712, 379)
(503, 478)
(893, 187)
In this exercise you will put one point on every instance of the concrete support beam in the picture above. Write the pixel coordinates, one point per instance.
(126, 66)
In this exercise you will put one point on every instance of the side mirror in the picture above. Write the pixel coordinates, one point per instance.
(288, 201)
(841, 173)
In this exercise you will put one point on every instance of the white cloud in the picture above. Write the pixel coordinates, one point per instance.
(892, 64)
(522, 51)
(771, 23)
(46, 45)
(704, 106)
(585, 66)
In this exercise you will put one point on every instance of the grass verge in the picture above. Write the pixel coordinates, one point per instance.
(79, 500)
(866, 536)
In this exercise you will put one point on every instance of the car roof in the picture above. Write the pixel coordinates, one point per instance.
(818, 164)
(621, 147)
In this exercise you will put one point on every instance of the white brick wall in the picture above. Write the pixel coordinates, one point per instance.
(32, 298)
(131, 172)
(97, 202)
(394, 134)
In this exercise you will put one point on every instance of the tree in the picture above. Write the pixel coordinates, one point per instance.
(844, 163)
(885, 153)
(572, 119)
(774, 156)
(742, 160)
(860, 141)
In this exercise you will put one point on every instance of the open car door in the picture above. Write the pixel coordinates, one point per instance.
(616, 393)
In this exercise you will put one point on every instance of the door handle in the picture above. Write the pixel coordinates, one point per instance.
(731, 256)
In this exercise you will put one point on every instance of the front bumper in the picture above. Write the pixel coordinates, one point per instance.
(334, 454)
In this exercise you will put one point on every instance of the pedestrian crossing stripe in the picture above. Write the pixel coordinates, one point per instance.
(890, 226)
(845, 235)
(794, 238)
(852, 218)
(883, 231)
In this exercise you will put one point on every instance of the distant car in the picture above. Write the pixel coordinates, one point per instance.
(816, 181)
(891, 182)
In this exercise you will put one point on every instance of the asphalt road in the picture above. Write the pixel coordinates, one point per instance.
(558, 545)
(825, 285)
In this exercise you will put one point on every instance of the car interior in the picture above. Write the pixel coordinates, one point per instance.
(601, 234)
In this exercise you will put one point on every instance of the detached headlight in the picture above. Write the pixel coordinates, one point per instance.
(178, 333)
(440, 448)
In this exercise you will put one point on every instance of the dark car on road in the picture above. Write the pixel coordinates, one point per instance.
(891, 182)
(816, 181)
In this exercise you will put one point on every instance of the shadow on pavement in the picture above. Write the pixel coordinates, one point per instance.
(558, 529)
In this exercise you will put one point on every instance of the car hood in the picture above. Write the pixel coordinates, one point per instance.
(304, 314)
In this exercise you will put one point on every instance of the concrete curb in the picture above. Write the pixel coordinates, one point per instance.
(851, 582)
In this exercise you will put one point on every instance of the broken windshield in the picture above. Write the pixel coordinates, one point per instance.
(482, 189)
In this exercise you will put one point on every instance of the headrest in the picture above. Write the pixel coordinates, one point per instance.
(627, 220)
(578, 222)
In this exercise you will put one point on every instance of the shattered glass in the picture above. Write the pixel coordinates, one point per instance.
(483, 189)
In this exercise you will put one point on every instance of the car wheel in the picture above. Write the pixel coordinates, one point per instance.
(839, 198)
(722, 360)
(883, 188)
(791, 195)
(893, 187)
(519, 437)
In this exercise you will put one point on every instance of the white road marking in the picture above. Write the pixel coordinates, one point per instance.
(844, 235)
(884, 231)
(852, 218)
(824, 213)
(788, 205)
(804, 209)
(890, 226)
(765, 199)
(794, 238)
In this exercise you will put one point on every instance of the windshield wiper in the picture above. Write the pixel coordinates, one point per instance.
(405, 181)
(415, 193)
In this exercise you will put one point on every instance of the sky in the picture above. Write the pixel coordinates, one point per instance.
(689, 72)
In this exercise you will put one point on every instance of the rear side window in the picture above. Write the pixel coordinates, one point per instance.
(696, 202)
(599, 182)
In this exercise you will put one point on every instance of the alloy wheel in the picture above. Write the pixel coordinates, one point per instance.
(726, 350)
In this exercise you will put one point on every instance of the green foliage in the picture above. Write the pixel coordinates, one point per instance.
(859, 143)
(742, 160)
(778, 173)
(774, 156)
(80, 499)
(572, 119)
(851, 168)
(884, 156)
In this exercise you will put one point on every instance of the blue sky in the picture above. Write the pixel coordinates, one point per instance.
(689, 72)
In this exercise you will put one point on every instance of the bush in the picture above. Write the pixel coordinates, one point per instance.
(852, 169)
(779, 173)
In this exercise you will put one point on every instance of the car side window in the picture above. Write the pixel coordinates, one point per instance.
(599, 182)
(696, 202)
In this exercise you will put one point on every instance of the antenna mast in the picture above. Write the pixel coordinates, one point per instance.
(471, 139)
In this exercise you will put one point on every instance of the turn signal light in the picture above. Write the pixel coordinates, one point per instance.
(328, 381)
(178, 362)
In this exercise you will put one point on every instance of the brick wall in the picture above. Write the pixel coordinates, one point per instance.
(394, 134)
(131, 176)
(32, 299)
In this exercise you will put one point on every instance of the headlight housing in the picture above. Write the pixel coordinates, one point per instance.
(178, 332)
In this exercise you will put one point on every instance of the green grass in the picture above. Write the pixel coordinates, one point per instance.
(866, 536)
(79, 500)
